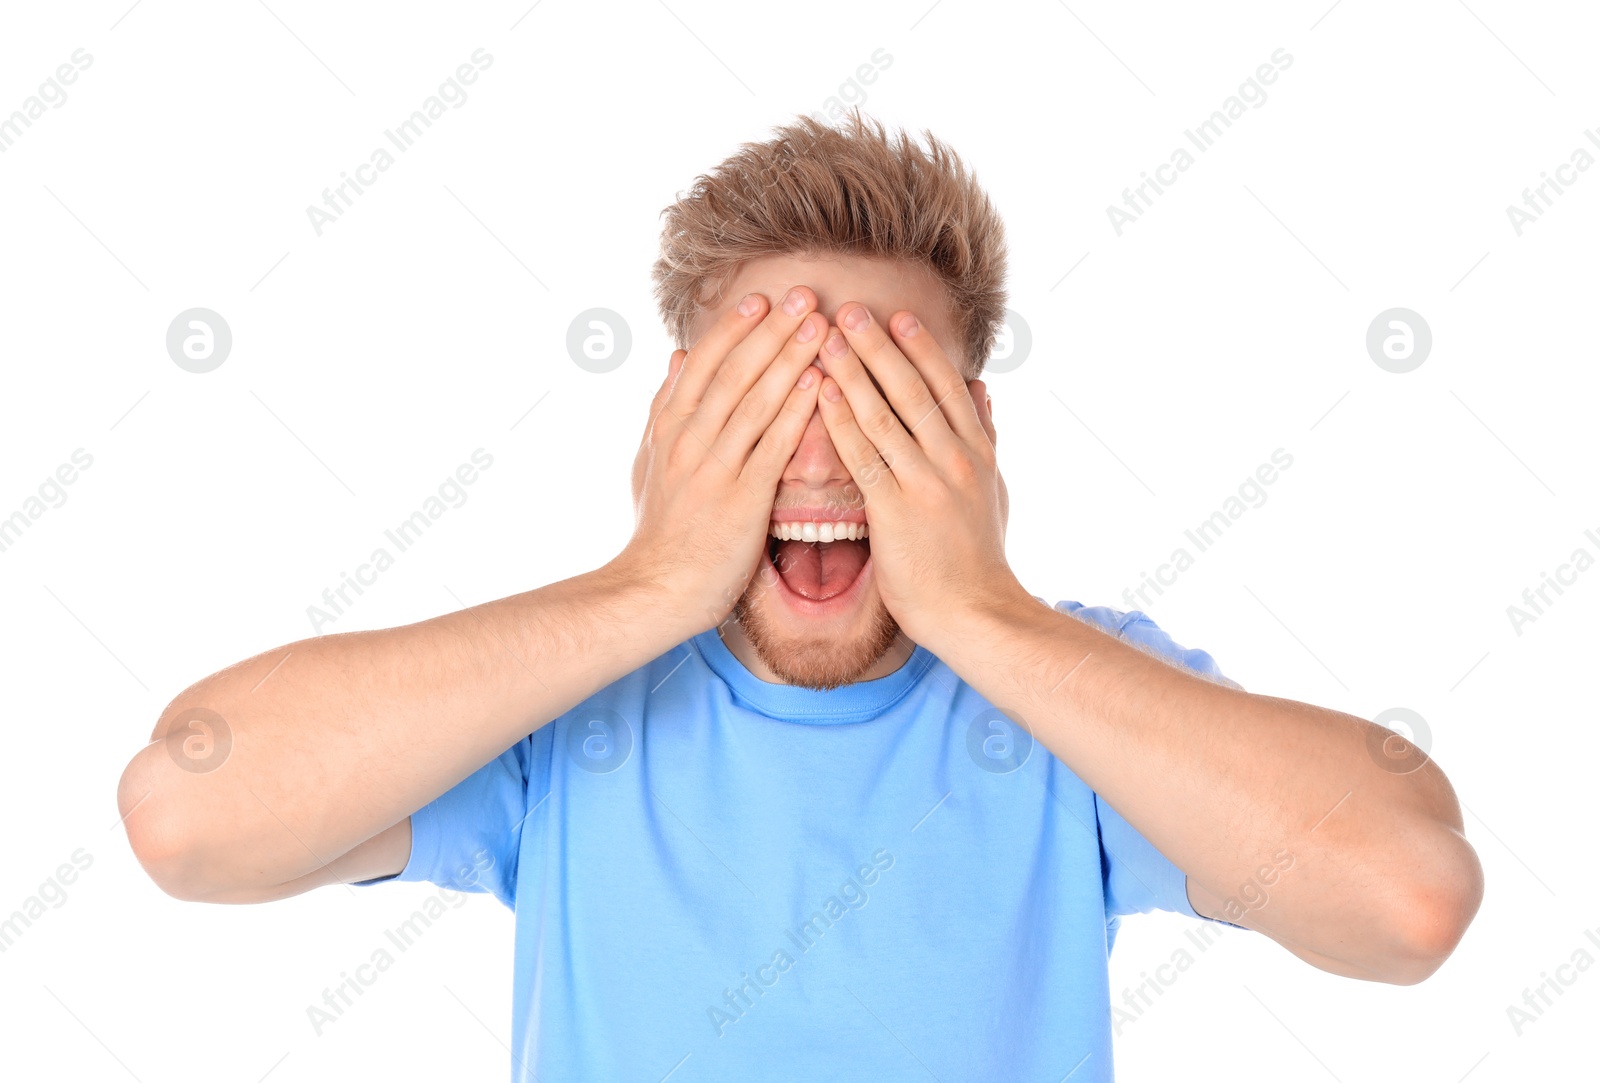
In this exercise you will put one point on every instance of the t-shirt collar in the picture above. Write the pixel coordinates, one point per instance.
(857, 702)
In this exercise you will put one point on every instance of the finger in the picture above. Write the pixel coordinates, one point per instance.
(748, 358)
(869, 410)
(761, 403)
(674, 366)
(705, 355)
(869, 468)
(979, 393)
(753, 357)
(956, 400)
(912, 397)
(767, 462)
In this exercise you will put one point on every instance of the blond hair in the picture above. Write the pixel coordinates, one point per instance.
(820, 190)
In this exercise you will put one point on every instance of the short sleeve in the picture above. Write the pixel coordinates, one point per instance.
(468, 838)
(1138, 630)
(1137, 877)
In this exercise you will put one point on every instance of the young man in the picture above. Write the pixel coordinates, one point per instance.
(804, 783)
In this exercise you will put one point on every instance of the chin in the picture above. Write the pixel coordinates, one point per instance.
(816, 652)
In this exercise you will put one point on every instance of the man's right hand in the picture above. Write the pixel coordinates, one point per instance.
(723, 428)
(337, 740)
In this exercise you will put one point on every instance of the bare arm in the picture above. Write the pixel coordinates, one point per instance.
(384, 854)
(1274, 808)
(336, 741)
(1365, 862)
(348, 734)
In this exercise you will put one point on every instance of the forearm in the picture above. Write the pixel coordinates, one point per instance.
(338, 738)
(1274, 804)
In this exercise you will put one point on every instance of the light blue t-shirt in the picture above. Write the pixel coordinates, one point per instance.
(726, 879)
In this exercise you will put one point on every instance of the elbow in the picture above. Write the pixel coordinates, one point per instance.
(155, 834)
(1434, 912)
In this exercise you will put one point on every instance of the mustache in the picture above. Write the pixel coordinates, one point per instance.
(837, 502)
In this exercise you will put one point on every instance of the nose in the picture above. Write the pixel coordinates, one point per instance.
(816, 465)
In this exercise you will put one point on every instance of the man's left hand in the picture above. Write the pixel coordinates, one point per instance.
(924, 460)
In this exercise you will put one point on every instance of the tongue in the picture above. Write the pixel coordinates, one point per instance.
(819, 570)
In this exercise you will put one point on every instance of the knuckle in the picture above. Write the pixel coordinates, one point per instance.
(727, 376)
(881, 423)
(753, 407)
(773, 333)
(679, 453)
(963, 472)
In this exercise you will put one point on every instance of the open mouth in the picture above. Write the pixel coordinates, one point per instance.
(818, 560)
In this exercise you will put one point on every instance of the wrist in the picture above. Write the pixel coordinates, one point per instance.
(980, 619)
(642, 587)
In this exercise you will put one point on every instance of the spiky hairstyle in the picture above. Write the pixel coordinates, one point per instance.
(820, 190)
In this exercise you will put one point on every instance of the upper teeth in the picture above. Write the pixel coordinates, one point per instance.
(815, 532)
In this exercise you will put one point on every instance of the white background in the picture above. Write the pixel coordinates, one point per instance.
(369, 362)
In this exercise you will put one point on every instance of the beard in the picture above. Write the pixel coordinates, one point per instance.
(814, 661)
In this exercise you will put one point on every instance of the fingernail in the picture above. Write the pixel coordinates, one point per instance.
(836, 344)
(830, 391)
(750, 305)
(807, 332)
(858, 319)
(909, 325)
(808, 377)
(794, 302)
